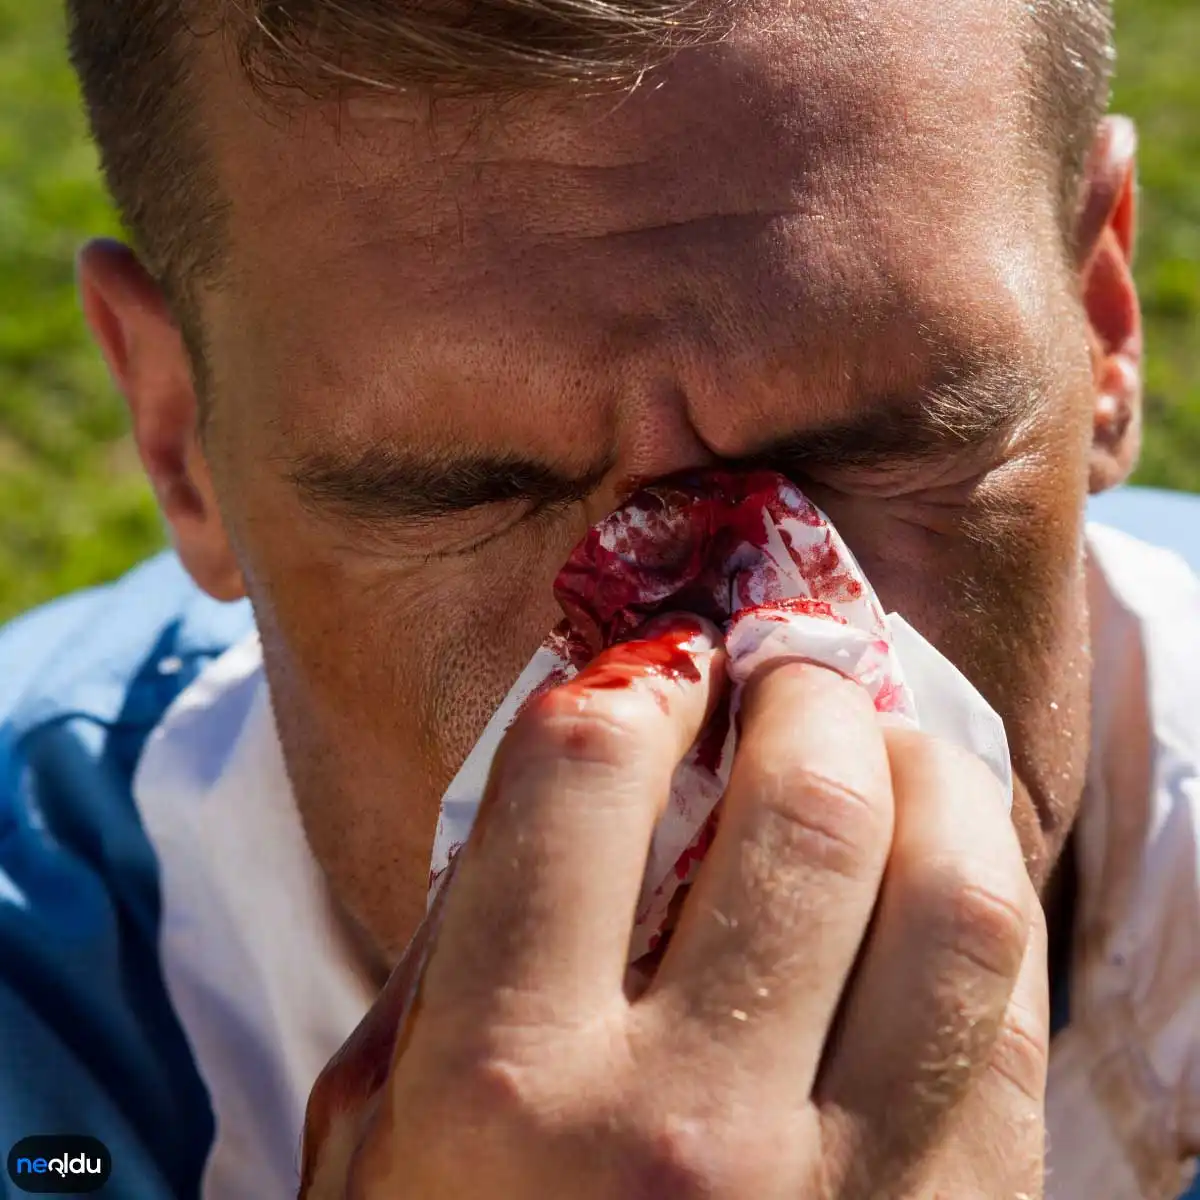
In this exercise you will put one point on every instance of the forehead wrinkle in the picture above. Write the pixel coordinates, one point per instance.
(862, 342)
(801, 123)
(542, 196)
(663, 138)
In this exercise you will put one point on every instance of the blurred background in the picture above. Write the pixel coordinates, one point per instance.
(74, 510)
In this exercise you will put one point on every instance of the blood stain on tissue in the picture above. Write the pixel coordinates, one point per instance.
(890, 697)
(788, 606)
(676, 542)
(571, 650)
(568, 645)
(823, 569)
(701, 844)
(557, 677)
(679, 543)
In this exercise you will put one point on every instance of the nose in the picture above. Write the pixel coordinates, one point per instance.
(656, 438)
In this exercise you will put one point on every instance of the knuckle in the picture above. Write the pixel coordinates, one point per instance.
(496, 1091)
(739, 1153)
(1021, 1052)
(680, 1158)
(979, 916)
(496, 1101)
(512, 1090)
(821, 821)
(606, 730)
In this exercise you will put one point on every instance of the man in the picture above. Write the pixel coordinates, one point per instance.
(420, 289)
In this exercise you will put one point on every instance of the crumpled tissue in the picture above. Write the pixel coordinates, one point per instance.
(751, 553)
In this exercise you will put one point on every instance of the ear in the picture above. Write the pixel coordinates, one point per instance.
(130, 320)
(1105, 241)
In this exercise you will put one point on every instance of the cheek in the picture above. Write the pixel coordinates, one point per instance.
(381, 684)
(473, 656)
(394, 668)
(1016, 625)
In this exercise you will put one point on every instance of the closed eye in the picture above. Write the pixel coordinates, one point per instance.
(384, 486)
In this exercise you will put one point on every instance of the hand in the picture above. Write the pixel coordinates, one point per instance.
(853, 1004)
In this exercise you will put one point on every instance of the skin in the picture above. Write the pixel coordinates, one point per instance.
(809, 227)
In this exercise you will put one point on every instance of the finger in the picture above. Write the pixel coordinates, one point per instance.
(778, 912)
(997, 1141)
(923, 1011)
(1001, 1135)
(343, 1090)
(547, 890)
(1015, 1082)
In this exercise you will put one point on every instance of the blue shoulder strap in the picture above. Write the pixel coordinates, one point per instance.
(89, 1042)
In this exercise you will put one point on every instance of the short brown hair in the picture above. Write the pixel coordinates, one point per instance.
(134, 59)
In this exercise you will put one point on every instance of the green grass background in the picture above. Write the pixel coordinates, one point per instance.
(74, 509)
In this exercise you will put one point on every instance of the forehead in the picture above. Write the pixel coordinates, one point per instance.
(831, 177)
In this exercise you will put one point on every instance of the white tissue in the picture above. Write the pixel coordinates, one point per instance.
(752, 553)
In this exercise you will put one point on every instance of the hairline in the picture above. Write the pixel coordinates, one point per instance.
(187, 267)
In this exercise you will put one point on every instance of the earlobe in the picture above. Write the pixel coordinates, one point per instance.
(133, 326)
(1105, 235)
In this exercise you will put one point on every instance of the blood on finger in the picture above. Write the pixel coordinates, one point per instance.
(669, 655)
(664, 657)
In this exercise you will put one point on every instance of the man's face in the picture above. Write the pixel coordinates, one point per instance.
(449, 341)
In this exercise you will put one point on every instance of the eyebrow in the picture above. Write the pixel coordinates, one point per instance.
(967, 405)
(384, 483)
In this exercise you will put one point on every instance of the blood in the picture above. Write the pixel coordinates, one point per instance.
(680, 543)
(690, 860)
(692, 543)
(568, 644)
(451, 855)
(826, 574)
(676, 544)
(557, 677)
(665, 656)
(889, 697)
(700, 846)
(785, 606)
